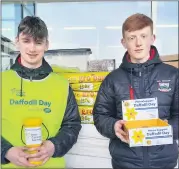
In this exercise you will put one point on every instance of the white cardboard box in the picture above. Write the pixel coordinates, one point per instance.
(143, 124)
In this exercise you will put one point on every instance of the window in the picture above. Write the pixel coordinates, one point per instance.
(11, 17)
(95, 25)
(28, 9)
(166, 27)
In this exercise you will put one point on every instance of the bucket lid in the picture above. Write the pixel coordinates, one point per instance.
(32, 121)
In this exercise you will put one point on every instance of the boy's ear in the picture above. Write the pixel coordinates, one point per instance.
(17, 43)
(153, 38)
(47, 45)
(123, 42)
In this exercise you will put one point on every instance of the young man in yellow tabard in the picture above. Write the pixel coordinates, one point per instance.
(31, 89)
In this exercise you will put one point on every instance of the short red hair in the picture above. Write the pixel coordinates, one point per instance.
(136, 22)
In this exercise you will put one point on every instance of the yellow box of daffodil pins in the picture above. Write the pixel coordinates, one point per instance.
(143, 125)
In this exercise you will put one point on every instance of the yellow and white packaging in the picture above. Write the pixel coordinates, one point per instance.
(86, 114)
(85, 94)
(64, 69)
(85, 86)
(143, 124)
(85, 98)
(85, 77)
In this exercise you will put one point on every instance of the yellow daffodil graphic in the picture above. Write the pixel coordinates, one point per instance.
(130, 113)
(138, 136)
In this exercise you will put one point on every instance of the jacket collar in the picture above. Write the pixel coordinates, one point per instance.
(154, 59)
(33, 74)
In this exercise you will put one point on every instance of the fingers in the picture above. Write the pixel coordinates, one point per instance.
(35, 149)
(42, 158)
(166, 120)
(119, 124)
(36, 155)
(34, 152)
(45, 160)
(41, 152)
(24, 148)
(23, 154)
(122, 122)
(24, 162)
(120, 131)
(42, 155)
(123, 136)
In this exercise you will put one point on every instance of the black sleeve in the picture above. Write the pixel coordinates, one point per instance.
(174, 112)
(104, 111)
(5, 146)
(70, 127)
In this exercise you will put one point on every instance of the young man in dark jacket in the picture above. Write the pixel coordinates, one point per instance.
(31, 78)
(139, 76)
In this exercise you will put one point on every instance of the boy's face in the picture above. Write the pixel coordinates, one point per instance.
(31, 51)
(138, 44)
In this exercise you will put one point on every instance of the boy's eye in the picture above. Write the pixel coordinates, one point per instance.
(39, 42)
(131, 38)
(25, 41)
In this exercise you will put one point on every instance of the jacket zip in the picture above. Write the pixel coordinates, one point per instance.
(142, 95)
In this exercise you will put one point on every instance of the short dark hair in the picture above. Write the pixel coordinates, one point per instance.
(33, 26)
(136, 22)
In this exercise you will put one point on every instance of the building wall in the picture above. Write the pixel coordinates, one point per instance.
(90, 151)
(171, 59)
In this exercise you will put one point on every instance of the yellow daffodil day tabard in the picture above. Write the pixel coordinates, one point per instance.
(143, 124)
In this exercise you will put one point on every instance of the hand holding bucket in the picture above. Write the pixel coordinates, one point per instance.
(33, 136)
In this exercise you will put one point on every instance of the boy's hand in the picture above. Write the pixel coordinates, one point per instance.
(18, 157)
(166, 120)
(120, 133)
(44, 152)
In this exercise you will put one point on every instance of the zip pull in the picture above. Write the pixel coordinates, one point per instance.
(140, 74)
(131, 92)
